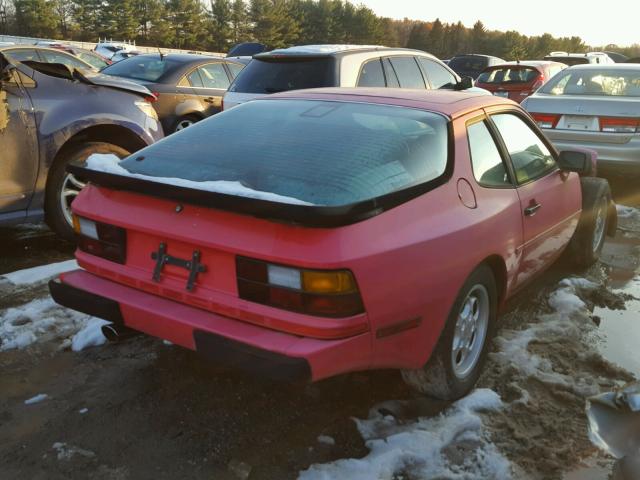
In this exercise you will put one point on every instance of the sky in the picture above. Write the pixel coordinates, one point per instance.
(597, 25)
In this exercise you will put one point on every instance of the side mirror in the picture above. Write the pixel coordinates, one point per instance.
(583, 162)
(465, 83)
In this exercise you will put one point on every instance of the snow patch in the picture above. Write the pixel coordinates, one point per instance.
(66, 452)
(109, 163)
(326, 439)
(38, 274)
(37, 399)
(627, 212)
(42, 320)
(90, 336)
(569, 318)
(82, 411)
(422, 448)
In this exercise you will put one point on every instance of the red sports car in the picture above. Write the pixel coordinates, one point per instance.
(347, 229)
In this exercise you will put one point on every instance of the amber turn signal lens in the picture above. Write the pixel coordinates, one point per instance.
(328, 282)
(76, 223)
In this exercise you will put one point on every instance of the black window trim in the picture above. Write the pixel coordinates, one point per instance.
(415, 60)
(506, 160)
(528, 121)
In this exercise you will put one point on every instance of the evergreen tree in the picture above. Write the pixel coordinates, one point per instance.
(86, 17)
(186, 23)
(419, 37)
(436, 39)
(477, 40)
(240, 27)
(220, 25)
(35, 18)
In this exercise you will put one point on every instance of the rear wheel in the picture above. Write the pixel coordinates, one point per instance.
(587, 242)
(63, 187)
(456, 363)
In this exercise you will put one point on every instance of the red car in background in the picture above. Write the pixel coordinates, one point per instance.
(354, 229)
(517, 80)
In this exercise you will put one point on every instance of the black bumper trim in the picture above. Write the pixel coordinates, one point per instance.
(251, 359)
(85, 302)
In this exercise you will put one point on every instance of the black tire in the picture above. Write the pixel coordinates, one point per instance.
(438, 378)
(184, 119)
(55, 215)
(584, 248)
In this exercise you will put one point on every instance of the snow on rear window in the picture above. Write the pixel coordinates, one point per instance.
(301, 151)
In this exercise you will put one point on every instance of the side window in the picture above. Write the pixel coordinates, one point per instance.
(439, 76)
(409, 73)
(392, 78)
(194, 79)
(371, 74)
(530, 157)
(488, 167)
(235, 68)
(214, 76)
(23, 55)
(55, 57)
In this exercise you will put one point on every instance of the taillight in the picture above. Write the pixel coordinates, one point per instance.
(323, 293)
(619, 125)
(538, 84)
(546, 120)
(101, 239)
(152, 98)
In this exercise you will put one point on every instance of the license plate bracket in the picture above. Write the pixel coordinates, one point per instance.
(194, 266)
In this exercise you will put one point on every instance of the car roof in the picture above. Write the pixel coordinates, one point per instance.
(180, 57)
(447, 102)
(330, 50)
(526, 63)
(606, 66)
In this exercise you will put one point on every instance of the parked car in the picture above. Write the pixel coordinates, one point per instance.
(571, 59)
(51, 118)
(593, 106)
(633, 60)
(472, 64)
(314, 66)
(188, 87)
(344, 233)
(517, 80)
(123, 55)
(46, 55)
(617, 57)
(109, 49)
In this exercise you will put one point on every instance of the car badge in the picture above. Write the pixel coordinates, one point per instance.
(179, 208)
(579, 108)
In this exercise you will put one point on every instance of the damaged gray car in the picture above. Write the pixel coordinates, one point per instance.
(51, 115)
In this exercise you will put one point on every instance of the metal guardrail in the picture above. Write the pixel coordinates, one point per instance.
(91, 45)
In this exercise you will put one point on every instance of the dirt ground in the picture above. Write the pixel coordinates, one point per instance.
(158, 411)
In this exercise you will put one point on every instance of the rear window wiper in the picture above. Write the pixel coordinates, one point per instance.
(275, 90)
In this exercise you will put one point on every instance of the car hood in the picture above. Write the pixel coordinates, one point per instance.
(119, 83)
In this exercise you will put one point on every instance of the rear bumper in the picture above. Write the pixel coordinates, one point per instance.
(221, 339)
(619, 155)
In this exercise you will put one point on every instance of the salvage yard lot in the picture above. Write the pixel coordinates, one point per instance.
(147, 409)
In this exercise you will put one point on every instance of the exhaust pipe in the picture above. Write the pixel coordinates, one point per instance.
(117, 333)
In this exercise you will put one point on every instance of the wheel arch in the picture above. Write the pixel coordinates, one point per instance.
(499, 269)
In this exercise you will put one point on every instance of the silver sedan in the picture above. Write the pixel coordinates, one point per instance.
(596, 107)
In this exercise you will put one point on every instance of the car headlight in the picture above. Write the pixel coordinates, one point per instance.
(147, 109)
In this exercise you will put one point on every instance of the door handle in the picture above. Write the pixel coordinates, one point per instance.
(531, 210)
(209, 100)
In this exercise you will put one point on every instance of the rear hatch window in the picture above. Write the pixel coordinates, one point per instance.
(148, 69)
(284, 74)
(302, 152)
(509, 76)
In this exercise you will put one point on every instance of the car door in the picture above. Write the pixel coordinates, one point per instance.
(18, 138)
(214, 81)
(550, 199)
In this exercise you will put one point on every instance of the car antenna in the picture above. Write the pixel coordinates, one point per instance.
(162, 55)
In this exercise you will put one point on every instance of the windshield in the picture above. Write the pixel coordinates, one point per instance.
(509, 75)
(262, 76)
(149, 69)
(603, 82)
(317, 152)
(469, 64)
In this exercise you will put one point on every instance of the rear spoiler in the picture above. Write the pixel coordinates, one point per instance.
(304, 215)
